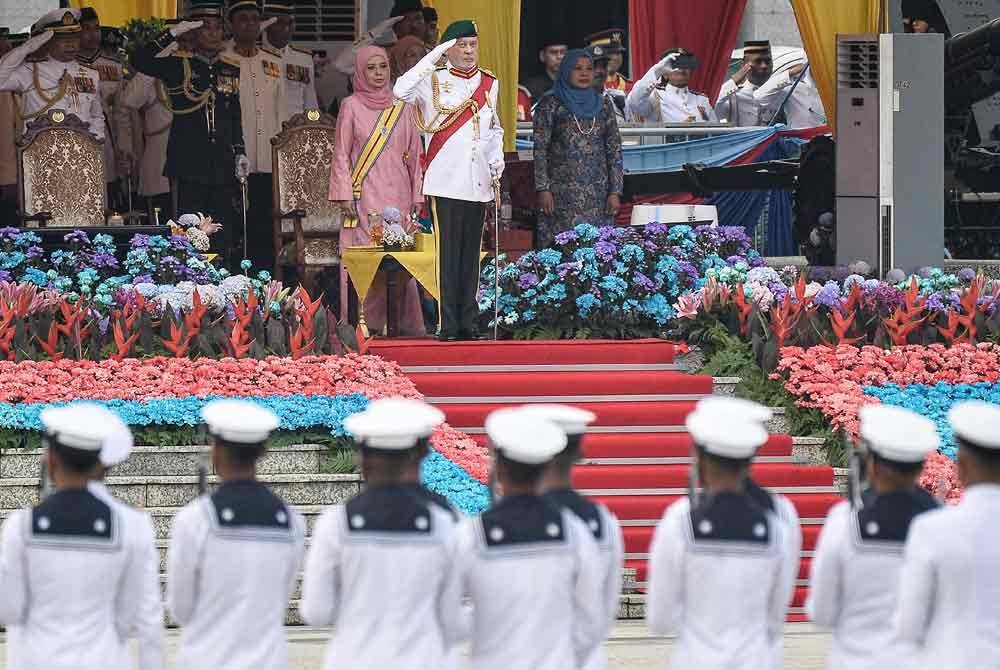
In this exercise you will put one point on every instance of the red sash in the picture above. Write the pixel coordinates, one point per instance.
(440, 137)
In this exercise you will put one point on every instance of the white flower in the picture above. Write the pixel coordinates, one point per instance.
(188, 220)
(812, 288)
(212, 297)
(198, 239)
(236, 285)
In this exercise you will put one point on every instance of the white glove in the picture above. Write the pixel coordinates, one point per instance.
(496, 167)
(242, 167)
(384, 28)
(185, 26)
(434, 55)
(38, 41)
(16, 56)
(665, 66)
(267, 23)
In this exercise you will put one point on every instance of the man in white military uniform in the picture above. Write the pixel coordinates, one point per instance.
(71, 568)
(530, 567)
(949, 592)
(235, 553)
(392, 545)
(45, 73)
(557, 485)
(804, 108)
(854, 584)
(663, 95)
(736, 102)
(298, 80)
(722, 567)
(463, 161)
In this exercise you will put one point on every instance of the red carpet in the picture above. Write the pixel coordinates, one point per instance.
(640, 400)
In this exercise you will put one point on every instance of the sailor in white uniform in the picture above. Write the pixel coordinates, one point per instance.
(662, 95)
(382, 567)
(71, 568)
(298, 80)
(854, 582)
(804, 108)
(736, 102)
(949, 592)
(722, 566)
(557, 486)
(531, 568)
(234, 553)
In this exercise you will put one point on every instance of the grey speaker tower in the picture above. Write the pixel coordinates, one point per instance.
(890, 150)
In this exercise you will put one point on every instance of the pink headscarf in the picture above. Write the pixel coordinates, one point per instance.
(370, 97)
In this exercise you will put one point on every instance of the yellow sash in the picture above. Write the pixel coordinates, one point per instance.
(371, 151)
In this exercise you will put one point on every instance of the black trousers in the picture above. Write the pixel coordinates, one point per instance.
(217, 201)
(458, 227)
(260, 226)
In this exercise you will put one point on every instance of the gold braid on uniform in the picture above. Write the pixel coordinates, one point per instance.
(451, 112)
(199, 99)
(63, 87)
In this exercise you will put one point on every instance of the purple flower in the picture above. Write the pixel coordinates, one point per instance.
(606, 251)
(5, 275)
(829, 295)
(656, 228)
(819, 274)
(967, 275)
(139, 241)
(567, 236)
(942, 301)
(76, 237)
(527, 280)
(644, 282)
(895, 276)
(887, 297)
(103, 260)
(34, 252)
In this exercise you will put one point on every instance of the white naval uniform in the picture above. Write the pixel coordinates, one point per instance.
(260, 102)
(532, 570)
(721, 578)
(298, 80)
(949, 590)
(737, 105)
(381, 570)
(649, 101)
(854, 582)
(73, 580)
(461, 170)
(82, 96)
(804, 108)
(144, 95)
(111, 75)
(232, 564)
(607, 534)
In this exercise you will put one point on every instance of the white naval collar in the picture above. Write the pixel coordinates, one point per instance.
(984, 491)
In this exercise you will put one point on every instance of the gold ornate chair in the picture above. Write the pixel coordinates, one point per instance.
(60, 167)
(306, 222)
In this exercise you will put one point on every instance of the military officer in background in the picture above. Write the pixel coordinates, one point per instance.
(736, 102)
(601, 58)
(298, 78)
(804, 107)
(612, 42)
(853, 585)
(530, 567)
(557, 485)
(948, 605)
(72, 568)
(205, 150)
(235, 553)
(45, 74)
(457, 110)
(663, 95)
(722, 567)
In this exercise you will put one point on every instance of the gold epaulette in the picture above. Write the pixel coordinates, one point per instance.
(270, 50)
(183, 53)
(482, 69)
(226, 58)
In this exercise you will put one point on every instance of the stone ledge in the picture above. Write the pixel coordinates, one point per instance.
(808, 451)
(840, 479)
(725, 385)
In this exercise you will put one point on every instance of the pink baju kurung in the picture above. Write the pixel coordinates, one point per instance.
(395, 180)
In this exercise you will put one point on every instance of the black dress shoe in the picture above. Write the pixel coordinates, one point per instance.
(447, 337)
(471, 335)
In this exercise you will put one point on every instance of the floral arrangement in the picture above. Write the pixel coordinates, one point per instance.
(394, 235)
(609, 281)
(197, 228)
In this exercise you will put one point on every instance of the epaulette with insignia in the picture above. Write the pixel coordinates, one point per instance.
(271, 50)
(183, 53)
(485, 71)
(87, 60)
(226, 58)
(691, 90)
(441, 67)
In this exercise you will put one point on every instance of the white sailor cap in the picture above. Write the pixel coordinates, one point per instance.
(89, 427)
(977, 423)
(897, 434)
(725, 435)
(572, 420)
(392, 429)
(239, 421)
(731, 406)
(407, 409)
(524, 437)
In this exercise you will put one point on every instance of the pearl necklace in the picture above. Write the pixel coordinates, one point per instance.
(593, 126)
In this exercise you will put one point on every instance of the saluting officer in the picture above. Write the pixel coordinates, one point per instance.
(663, 94)
(45, 73)
(298, 74)
(205, 152)
(853, 586)
(389, 545)
(736, 102)
(722, 567)
(948, 592)
(73, 572)
(557, 485)
(235, 553)
(531, 568)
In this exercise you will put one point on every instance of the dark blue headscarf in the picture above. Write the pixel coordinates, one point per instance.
(581, 102)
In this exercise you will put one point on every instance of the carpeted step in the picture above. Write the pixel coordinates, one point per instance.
(639, 538)
(656, 445)
(625, 477)
(556, 384)
(651, 507)
(470, 417)
(428, 351)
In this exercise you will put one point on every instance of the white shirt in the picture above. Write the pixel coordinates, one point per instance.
(647, 101)
(233, 560)
(73, 579)
(381, 570)
(804, 108)
(722, 581)
(737, 105)
(533, 572)
(949, 591)
(298, 80)
(260, 102)
(461, 170)
(142, 94)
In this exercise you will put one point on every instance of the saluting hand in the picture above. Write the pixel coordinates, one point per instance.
(384, 28)
(665, 66)
(38, 41)
(185, 27)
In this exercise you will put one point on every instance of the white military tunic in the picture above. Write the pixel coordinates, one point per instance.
(145, 95)
(111, 75)
(804, 108)
(532, 570)
(298, 80)
(608, 535)
(853, 587)
(722, 577)
(648, 101)
(233, 561)
(260, 102)
(736, 104)
(461, 170)
(949, 590)
(381, 570)
(73, 579)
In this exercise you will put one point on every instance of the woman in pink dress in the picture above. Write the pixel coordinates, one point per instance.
(394, 180)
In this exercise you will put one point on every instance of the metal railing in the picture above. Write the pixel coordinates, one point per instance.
(638, 134)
